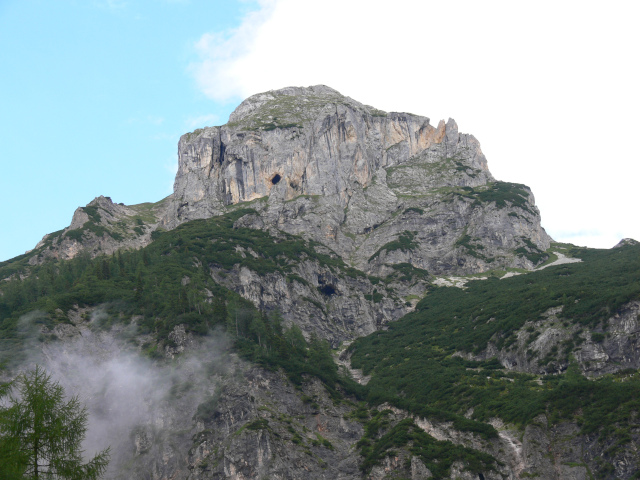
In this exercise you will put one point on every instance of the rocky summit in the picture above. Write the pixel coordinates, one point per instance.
(334, 291)
(318, 164)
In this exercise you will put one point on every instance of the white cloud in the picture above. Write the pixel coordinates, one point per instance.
(216, 73)
(550, 89)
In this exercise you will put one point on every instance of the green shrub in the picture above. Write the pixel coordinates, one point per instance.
(404, 243)
(417, 210)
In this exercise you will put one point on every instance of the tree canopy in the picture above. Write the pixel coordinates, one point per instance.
(41, 434)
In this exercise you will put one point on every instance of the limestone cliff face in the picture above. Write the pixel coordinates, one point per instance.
(321, 165)
(308, 141)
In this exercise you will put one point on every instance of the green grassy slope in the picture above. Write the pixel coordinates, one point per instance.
(413, 366)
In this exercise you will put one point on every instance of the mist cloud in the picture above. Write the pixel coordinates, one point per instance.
(127, 395)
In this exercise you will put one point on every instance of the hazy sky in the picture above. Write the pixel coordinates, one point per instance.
(95, 94)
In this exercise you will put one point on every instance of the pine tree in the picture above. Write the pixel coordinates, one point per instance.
(106, 271)
(145, 258)
(139, 287)
(220, 313)
(121, 269)
(41, 434)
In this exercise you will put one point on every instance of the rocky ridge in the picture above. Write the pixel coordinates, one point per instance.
(102, 227)
(608, 348)
(378, 188)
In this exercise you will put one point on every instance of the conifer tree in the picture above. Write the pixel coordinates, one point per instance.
(12, 463)
(145, 258)
(139, 287)
(41, 434)
(220, 313)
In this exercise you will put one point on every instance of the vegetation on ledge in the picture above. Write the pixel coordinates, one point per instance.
(449, 320)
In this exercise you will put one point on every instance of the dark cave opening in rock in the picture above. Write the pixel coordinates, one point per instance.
(481, 476)
(327, 290)
(276, 178)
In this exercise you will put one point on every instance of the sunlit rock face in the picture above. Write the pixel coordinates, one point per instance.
(316, 163)
(301, 141)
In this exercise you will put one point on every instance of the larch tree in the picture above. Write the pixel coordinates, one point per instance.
(41, 434)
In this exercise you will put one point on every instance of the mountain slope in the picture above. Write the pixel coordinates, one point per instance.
(280, 315)
(531, 350)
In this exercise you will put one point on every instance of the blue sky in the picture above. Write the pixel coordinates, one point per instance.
(94, 94)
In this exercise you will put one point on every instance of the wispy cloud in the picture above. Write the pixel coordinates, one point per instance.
(149, 119)
(215, 73)
(200, 121)
(113, 5)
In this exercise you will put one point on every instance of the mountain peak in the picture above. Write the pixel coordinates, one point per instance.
(379, 189)
(255, 102)
(291, 106)
(316, 163)
(626, 241)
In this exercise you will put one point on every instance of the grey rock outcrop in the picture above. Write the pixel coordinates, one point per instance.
(320, 301)
(563, 452)
(541, 346)
(101, 227)
(321, 165)
(626, 241)
(262, 427)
